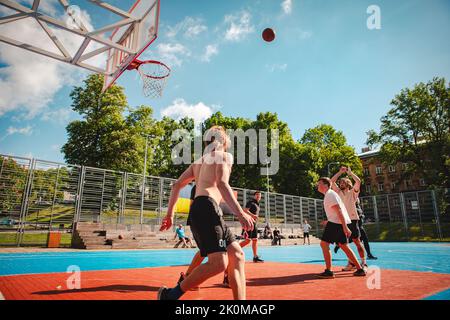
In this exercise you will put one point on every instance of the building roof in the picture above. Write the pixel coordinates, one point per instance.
(368, 154)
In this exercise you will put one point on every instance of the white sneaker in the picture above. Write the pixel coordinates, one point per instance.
(349, 267)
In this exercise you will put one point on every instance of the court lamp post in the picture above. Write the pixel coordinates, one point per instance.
(268, 198)
(331, 163)
(144, 171)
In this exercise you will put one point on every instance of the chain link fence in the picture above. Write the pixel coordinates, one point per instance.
(38, 196)
(408, 216)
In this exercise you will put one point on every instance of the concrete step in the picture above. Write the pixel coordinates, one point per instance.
(101, 242)
(91, 234)
(98, 247)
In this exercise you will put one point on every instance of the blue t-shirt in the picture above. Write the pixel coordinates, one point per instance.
(180, 233)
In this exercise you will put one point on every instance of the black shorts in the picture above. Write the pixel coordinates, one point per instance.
(251, 234)
(208, 227)
(334, 233)
(305, 234)
(181, 239)
(356, 233)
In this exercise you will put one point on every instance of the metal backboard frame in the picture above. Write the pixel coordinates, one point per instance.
(119, 44)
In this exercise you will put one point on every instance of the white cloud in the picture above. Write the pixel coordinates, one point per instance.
(60, 116)
(172, 53)
(210, 50)
(189, 28)
(55, 147)
(286, 5)
(27, 131)
(239, 26)
(30, 81)
(277, 67)
(180, 109)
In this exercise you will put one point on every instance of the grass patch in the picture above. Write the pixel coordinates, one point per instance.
(396, 232)
(33, 239)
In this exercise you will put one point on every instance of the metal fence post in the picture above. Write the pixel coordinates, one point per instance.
(403, 209)
(160, 200)
(436, 214)
(375, 213)
(420, 215)
(315, 216)
(24, 207)
(54, 198)
(301, 211)
(103, 193)
(284, 209)
(389, 208)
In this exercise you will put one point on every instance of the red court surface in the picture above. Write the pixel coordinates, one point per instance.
(265, 281)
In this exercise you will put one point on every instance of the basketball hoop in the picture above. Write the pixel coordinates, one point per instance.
(154, 75)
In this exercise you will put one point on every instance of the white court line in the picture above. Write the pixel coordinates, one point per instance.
(1, 296)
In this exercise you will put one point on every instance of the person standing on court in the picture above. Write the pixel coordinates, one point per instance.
(349, 195)
(336, 228)
(214, 239)
(306, 229)
(252, 208)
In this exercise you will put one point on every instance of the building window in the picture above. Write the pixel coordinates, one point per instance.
(379, 170)
(391, 168)
(380, 187)
(422, 182)
(366, 171)
(393, 185)
(368, 188)
(395, 202)
(408, 184)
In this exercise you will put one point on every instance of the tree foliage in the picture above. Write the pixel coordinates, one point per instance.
(417, 131)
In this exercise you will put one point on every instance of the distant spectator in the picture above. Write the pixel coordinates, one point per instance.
(276, 237)
(179, 232)
(306, 229)
(267, 232)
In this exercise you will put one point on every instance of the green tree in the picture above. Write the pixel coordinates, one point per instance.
(326, 147)
(417, 131)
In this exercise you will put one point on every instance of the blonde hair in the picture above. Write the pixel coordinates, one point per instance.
(216, 137)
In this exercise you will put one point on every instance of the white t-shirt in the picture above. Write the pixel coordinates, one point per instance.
(331, 199)
(306, 228)
(349, 198)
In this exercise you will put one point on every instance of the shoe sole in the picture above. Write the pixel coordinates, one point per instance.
(160, 291)
(359, 275)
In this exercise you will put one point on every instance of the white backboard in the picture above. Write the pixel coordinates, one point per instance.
(137, 37)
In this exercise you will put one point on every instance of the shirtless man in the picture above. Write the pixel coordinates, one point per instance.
(214, 239)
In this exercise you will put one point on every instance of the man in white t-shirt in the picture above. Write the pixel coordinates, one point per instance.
(349, 195)
(336, 228)
(306, 229)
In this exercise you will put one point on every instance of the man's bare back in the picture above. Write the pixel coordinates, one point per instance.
(205, 175)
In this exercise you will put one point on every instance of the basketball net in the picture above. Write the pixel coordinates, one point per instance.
(154, 75)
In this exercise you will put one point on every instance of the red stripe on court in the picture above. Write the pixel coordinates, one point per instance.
(265, 281)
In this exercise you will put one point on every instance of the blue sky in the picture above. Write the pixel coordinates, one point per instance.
(325, 66)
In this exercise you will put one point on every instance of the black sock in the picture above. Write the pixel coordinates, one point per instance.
(175, 293)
